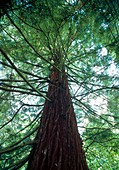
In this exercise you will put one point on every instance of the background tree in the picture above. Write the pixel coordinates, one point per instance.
(86, 37)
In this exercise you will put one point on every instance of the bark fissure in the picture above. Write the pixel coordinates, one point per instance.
(59, 145)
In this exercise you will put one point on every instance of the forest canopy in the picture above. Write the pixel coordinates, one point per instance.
(85, 34)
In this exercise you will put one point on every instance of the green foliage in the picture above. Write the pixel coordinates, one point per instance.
(38, 35)
(101, 146)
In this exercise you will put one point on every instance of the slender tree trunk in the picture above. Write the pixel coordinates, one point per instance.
(59, 146)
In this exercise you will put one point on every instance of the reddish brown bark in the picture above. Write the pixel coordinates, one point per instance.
(59, 146)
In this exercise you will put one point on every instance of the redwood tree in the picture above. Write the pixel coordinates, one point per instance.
(56, 58)
(58, 143)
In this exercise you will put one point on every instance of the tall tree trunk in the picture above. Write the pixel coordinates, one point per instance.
(59, 146)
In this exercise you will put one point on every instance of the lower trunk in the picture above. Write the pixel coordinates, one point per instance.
(59, 146)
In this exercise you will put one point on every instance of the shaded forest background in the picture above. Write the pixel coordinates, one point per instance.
(86, 35)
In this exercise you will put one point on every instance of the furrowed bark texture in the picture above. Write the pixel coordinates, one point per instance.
(59, 146)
